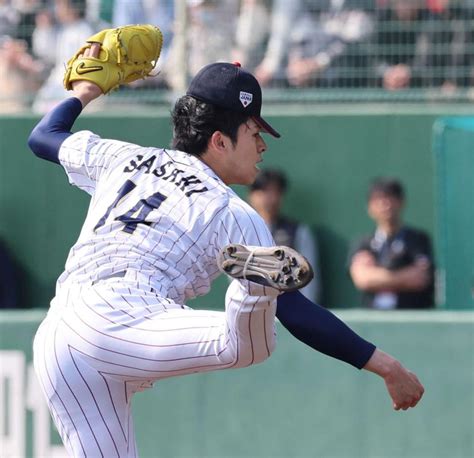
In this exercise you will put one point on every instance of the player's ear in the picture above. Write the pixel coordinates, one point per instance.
(219, 141)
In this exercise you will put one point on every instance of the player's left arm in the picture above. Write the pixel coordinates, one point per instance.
(320, 329)
(402, 385)
(324, 332)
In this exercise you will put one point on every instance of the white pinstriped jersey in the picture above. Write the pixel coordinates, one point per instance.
(157, 216)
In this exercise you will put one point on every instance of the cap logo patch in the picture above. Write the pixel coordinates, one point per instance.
(245, 98)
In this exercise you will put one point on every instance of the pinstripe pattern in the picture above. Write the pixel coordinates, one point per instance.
(91, 357)
(118, 323)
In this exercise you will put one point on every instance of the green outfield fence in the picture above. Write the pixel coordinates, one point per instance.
(329, 153)
(297, 404)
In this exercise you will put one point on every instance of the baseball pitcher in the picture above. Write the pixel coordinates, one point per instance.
(162, 224)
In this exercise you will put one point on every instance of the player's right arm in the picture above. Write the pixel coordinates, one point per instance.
(87, 91)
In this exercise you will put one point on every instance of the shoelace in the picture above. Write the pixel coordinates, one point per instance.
(249, 259)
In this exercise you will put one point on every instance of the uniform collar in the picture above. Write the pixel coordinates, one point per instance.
(381, 236)
(186, 158)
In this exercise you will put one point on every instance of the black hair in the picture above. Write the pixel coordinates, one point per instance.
(388, 186)
(268, 177)
(195, 121)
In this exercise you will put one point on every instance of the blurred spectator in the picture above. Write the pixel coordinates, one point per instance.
(156, 12)
(284, 15)
(449, 58)
(266, 197)
(20, 75)
(212, 28)
(397, 43)
(223, 30)
(72, 32)
(251, 32)
(44, 38)
(394, 266)
(9, 19)
(423, 43)
(393, 44)
(8, 280)
(210, 38)
(330, 50)
(314, 41)
(27, 11)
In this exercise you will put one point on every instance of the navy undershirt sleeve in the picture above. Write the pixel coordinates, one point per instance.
(322, 330)
(48, 135)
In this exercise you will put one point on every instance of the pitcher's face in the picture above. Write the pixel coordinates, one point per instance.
(246, 154)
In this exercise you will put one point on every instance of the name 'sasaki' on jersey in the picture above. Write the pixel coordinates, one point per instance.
(149, 199)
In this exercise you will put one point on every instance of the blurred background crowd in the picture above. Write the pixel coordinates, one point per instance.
(338, 49)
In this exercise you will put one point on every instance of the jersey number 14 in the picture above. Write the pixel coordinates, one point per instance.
(138, 213)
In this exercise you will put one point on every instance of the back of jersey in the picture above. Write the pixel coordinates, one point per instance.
(153, 217)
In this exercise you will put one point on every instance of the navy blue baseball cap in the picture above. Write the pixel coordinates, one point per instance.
(230, 86)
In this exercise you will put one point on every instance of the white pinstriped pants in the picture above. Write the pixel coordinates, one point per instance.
(100, 345)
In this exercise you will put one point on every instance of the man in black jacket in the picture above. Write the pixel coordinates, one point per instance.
(393, 266)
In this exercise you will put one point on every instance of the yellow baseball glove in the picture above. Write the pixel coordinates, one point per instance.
(126, 54)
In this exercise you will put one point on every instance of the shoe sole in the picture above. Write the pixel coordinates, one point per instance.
(279, 267)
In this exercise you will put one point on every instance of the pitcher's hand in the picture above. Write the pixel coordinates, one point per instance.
(402, 385)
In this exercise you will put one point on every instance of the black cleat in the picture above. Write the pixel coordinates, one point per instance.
(279, 267)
